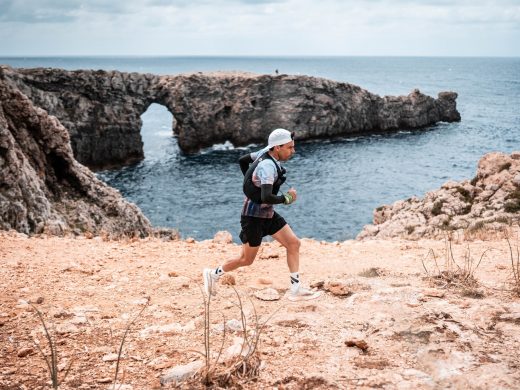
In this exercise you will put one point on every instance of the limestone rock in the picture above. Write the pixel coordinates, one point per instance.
(227, 279)
(232, 325)
(66, 328)
(223, 237)
(43, 189)
(179, 373)
(102, 109)
(168, 328)
(111, 357)
(338, 288)
(23, 352)
(267, 294)
(265, 281)
(432, 292)
(236, 349)
(120, 386)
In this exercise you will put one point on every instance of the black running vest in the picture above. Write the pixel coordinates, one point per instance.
(255, 193)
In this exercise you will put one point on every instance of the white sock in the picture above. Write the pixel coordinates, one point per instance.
(295, 281)
(218, 271)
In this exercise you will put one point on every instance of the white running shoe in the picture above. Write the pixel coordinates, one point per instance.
(302, 294)
(210, 282)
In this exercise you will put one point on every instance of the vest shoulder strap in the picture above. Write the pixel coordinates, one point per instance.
(278, 169)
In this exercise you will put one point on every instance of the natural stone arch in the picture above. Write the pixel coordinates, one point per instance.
(102, 110)
(149, 122)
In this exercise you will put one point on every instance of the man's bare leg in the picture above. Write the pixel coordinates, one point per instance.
(247, 257)
(210, 277)
(288, 239)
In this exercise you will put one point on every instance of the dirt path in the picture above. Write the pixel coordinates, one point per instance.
(419, 334)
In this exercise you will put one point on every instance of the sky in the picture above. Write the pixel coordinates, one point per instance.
(260, 27)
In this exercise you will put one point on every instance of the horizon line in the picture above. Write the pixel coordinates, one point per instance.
(18, 56)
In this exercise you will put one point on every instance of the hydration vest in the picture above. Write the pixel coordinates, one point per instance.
(255, 193)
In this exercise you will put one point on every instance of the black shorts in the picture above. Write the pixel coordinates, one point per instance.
(254, 229)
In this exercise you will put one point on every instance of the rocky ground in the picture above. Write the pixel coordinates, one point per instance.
(380, 323)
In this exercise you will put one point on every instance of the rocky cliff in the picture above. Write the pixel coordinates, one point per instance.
(101, 110)
(43, 189)
(490, 201)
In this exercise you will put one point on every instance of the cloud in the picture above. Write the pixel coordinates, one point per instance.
(260, 27)
(60, 11)
(64, 11)
(380, 11)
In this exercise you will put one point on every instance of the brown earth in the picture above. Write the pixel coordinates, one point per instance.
(388, 326)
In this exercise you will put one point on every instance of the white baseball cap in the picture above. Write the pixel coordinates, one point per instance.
(279, 137)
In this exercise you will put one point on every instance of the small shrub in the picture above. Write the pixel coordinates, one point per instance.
(446, 225)
(479, 225)
(120, 351)
(514, 195)
(512, 206)
(459, 274)
(474, 181)
(466, 195)
(372, 272)
(409, 229)
(246, 365)
(503, 219)
(465, 210)
(472, 292)
(437, 207)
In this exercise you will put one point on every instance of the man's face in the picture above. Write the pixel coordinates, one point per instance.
(286, 151)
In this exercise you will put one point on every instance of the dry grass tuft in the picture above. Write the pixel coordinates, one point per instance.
(245, 366)
(515, 267)
(51, 359)
(483, 232)
(127, 330)
(458, 274)
(304, 383)
(472, 292)
(373, 272)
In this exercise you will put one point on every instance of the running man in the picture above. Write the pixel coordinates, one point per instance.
(263, 176)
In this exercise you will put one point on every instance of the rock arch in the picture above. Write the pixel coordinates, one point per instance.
(102, 109)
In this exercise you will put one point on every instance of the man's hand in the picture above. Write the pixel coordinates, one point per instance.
(290, 196)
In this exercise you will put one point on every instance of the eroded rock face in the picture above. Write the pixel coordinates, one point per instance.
(102, 110)
(490, 201)
(245, 108)
(43, 189)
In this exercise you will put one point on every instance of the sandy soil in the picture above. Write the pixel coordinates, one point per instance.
(419, 334)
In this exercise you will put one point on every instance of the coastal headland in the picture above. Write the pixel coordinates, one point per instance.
(102, 110)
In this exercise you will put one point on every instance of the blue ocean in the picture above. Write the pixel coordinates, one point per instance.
(339, 181)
